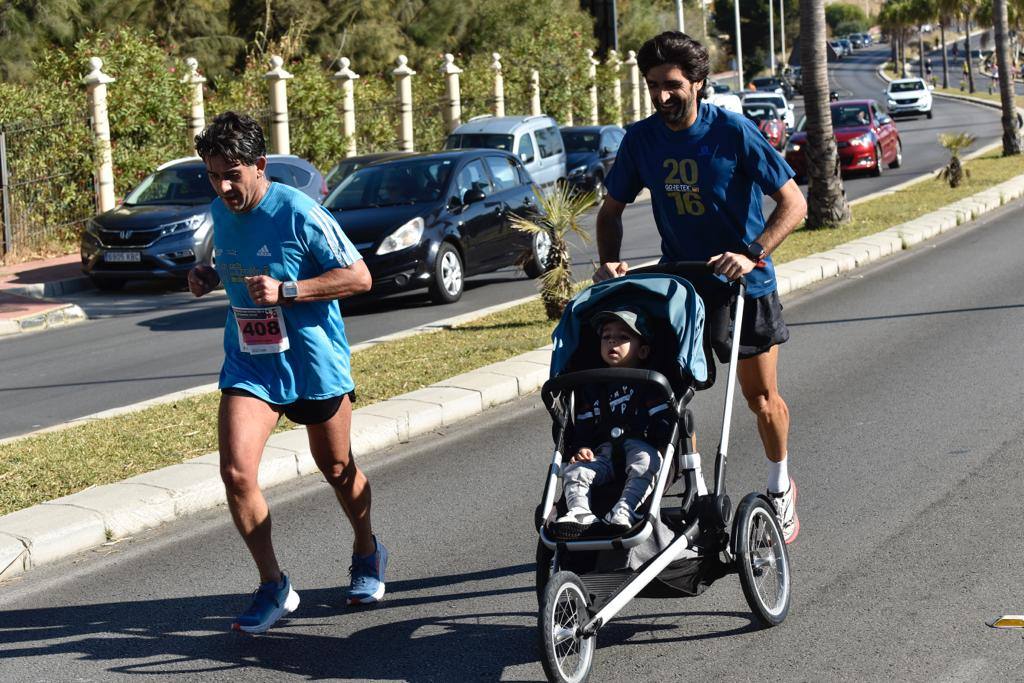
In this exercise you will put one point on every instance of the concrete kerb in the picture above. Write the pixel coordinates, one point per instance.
(66, 314)
(60, 528)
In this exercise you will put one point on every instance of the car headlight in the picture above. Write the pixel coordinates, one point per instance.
(862, 141)
(408, 235)
(579, 170)
(891, 103)
(187, 225)
(793, 147)
(92, 227)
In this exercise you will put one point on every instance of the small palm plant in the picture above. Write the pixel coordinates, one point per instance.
(558, 220)
(954, 172)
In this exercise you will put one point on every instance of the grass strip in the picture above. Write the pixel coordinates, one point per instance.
(55, 464)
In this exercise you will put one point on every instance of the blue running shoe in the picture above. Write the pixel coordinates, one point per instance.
(368, 576)
(270, 602)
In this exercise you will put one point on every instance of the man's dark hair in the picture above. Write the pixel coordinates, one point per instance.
(235, 137)
(674, 47)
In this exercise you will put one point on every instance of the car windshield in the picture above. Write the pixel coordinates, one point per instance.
(845, 116)
(906, 87)
(176, 185)
(761, 113)
(762, 82)
(580, 141)
(776, 102)
(340, 172)
(720, 88)
(479, 140)
(404, 182)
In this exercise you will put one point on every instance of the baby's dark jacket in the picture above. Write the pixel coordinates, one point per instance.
(638, 411)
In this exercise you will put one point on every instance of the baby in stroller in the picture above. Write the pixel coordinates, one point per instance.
(614, 425)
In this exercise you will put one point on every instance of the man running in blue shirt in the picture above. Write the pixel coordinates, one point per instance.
(707, 170)
(284, 263)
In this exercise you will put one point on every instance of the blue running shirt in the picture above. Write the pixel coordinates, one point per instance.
(287, 236)
(706, 185)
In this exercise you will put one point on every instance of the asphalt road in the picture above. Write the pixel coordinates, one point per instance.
(904, 384)
(145, 342)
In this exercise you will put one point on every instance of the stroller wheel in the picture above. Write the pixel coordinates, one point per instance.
(567, 653)
(762, 560)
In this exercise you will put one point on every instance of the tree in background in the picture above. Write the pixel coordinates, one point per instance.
(826, 199)
(844, 18)
(1011, 132)
(753, 31)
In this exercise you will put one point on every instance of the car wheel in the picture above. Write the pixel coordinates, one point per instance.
(600, 191)
(107, 284)
(898, 159)
(879, 164)
(540, 251)
(929, 115)
(449, 277)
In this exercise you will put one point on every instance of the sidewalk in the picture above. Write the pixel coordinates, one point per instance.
(29, 294)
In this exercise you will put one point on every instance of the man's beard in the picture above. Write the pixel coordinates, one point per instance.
(675, 111)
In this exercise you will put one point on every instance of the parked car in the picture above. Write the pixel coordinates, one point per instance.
(349, 165)
(722, 95)
(847, 45)
(838, 48)
(794, 76)
(591, 152)
(773, 84)
(909, 96)
(784, 106)
(769, 122)
(856, 40)
(162, 228)
(430, 220)
(535, 140)
(866, 137)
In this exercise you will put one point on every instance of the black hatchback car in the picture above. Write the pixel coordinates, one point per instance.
(163, 227)
(430, 220)
(591, 153)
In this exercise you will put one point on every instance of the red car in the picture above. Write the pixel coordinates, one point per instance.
(766, 117)
(866, 136)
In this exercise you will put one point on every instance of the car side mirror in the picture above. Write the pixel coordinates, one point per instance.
(605, 151)
(931, 87)
(527, 159)
(473, 196)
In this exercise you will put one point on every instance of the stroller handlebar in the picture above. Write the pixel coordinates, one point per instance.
(572, 380)
(697, 271)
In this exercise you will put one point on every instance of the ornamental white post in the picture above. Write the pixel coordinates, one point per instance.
(613, 61)
(345, 77)
(451, 77)
(592, 74)
(535, 93)
(277, 79)
(197, 113)
(403, 85)
(499, 85)
(96, 92)
(633, 76)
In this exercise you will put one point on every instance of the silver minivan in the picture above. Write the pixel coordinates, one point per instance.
(536, 140)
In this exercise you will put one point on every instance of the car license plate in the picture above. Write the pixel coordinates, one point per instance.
(122, 257)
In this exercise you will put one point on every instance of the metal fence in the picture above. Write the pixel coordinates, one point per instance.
(46, 193)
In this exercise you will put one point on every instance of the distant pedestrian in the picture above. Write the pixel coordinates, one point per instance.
(956, 51)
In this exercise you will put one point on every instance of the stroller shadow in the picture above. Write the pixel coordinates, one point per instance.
(191, 635)
(624, 631)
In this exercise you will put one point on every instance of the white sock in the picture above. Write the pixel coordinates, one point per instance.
(778, 476)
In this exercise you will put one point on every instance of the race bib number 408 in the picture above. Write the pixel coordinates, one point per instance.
(261, 330)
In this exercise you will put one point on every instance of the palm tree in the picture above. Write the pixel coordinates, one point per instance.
(954, 172)
(826, 199)
(945, 9)
(559, 219)
(1011, 134)
(967, 8)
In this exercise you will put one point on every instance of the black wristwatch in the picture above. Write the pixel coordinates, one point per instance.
(755, 252)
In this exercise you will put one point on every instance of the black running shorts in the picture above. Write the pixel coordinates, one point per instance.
(763, 326)
(304, 411)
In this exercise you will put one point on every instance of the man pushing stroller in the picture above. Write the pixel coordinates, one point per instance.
(610, 420)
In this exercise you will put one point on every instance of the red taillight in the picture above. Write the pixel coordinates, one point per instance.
(323, 188)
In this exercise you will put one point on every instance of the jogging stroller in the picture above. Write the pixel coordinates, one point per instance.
(686, 539)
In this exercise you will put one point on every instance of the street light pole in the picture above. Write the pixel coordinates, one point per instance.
(680, 21)
(782, 32)
(739, 45)
(771, 34)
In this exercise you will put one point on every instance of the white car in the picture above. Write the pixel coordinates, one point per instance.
(909, 96)
(721, 95)
(778, 101)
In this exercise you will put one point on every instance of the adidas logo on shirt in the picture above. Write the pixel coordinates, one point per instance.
(264, 251)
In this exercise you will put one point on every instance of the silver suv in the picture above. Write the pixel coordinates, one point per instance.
(535, 140)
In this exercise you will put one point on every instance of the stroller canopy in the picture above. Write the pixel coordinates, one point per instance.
(667, 298)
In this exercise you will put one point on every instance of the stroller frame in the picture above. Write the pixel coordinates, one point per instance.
(702, 531)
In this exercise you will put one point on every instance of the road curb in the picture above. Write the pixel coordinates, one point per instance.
(60, 315)
(57, 529)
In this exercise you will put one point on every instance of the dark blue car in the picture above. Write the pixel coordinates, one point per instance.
(431, 220)
(591, 152)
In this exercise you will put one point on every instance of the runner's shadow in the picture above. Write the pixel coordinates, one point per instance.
(192, 636)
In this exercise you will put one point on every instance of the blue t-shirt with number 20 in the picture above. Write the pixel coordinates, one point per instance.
(707, 183)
